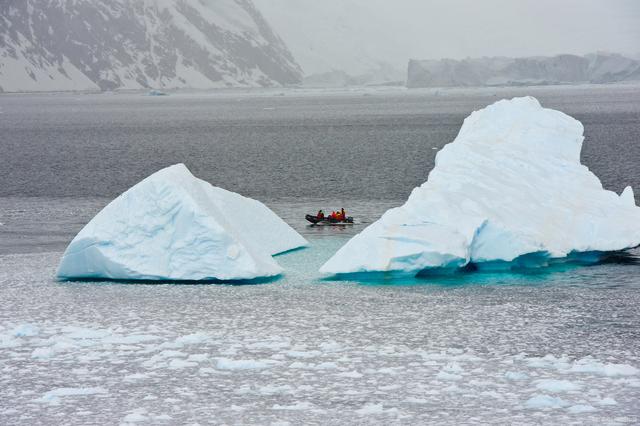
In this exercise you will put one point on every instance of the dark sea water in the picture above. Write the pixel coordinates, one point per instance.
(553, 347)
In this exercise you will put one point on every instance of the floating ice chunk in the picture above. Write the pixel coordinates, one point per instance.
(135, 377)
(53, 397)
(136, 416)
(608, 401)
(553, 385)
(443, 375)
(350, 374)
(588, 365)
(371, 409)
(295, 407)
(173, 226)
(326, 366)
(191, 339)
(178, 364)
(26, 330)
(515, 375)
(242, 364)
(581, 408)
(509, 188)
(545, 401)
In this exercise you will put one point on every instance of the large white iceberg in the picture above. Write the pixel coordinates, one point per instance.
(509, 188)
(174, 226)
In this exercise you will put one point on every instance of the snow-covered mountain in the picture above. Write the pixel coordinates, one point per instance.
(501, 71)
(138, 44)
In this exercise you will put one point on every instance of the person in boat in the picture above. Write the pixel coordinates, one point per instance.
(334, 215)
(320, 215)
(343, 214)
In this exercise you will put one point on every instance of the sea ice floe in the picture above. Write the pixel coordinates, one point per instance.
(581, 408)
(295, 407)
(100, 364)
(545, 401)
(553, 385)
(243, 364)
(509, 191)
(54, 397)
(373, 409)
(173, 226)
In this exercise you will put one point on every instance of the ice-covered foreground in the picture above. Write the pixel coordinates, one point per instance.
(509, 188)
(562, 349)
(173, 226)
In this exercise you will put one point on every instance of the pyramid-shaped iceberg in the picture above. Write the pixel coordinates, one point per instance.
(174, 226)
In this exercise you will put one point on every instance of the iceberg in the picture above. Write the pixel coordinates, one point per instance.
(174, 226)
(508, 191)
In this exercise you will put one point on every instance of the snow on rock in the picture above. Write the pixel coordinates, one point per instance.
(509, 188)
(55, 45)
(173, 226)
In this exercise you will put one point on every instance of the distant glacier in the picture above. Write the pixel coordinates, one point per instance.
(529, 71)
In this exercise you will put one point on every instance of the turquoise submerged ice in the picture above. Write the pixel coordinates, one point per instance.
(508, 188)
(174, 226)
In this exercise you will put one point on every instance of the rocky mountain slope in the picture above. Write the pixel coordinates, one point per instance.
(501, 71)
(139, 44)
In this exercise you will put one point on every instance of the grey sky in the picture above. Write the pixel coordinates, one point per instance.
(346, 34)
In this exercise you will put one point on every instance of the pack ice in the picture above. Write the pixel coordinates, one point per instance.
(174, 226)
(509, 188)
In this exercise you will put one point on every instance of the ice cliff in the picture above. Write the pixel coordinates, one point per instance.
(174, 226)
(509, 190)
(539, 70)
(53, 45)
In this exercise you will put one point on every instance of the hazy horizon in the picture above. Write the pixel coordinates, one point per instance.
(352, 35)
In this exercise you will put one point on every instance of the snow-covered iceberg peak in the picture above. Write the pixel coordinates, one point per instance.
(510, 185)
(174, 226)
